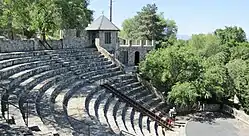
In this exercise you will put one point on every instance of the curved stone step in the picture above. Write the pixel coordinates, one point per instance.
(129, 86)
(152, 125)
(91, 104)
(119, 117)
(122, 82)
(88, 99)
(78, 116)
(46, 111)
(135, 123)
(8, 71)
(15, 61)
(97, 103)
(57, 108)
(160, 130)
(34, 80)
(134, 92)
(32, 97)
(109, 110)
(11, 55)
(128, 119)
(146, 98)
(143, 124)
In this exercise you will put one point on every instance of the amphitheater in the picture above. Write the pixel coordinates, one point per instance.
(76, 91)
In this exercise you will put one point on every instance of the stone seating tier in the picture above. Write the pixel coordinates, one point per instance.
(59, 91)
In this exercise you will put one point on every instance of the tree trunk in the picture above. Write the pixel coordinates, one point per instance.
(43, 35)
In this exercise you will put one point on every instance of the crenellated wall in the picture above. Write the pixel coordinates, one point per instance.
(130, 47)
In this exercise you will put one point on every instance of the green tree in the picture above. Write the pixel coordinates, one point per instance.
(6, 18)
(130, 29)
(150, 25)
(203, 68)
(239, 71)
(22, 18)
(148, 22)
(74, 14)
(44, 17)
(240, 52)
(231, 35)
(166, 67)
(183, 94)
(15, 18)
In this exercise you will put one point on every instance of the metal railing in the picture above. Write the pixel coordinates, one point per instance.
(42, 43)
(125, 133)
(150, 87)
(155, 109)
(5, 102)
(133, 103)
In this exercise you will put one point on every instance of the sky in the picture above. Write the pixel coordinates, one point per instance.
(191, 16)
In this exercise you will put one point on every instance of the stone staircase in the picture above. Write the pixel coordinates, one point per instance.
(58, 92)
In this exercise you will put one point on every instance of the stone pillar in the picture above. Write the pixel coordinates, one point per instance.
(147, 42)
(126, 42)
(141, 43)
(153, 42)
(130, 43)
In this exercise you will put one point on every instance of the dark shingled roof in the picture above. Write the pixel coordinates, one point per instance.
(102, 23)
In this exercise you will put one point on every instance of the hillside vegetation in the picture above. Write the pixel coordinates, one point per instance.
(210, 68)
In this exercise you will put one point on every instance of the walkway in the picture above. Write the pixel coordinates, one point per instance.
(215, 124)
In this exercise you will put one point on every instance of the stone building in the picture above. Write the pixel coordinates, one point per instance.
(101, 31)
(105, 31)
(130, 53)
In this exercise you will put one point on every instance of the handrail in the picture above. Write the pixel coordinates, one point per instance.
(108, 55)
(136, 105)
(48, 44)
(122, 133)
(42, 43)
(145, 104)
(151, 88)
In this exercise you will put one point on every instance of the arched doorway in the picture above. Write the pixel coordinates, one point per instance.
(136, 58)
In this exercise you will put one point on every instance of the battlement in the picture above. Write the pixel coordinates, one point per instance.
(136, 43)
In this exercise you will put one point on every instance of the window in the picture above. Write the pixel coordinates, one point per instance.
(117, 40)
(107, 37)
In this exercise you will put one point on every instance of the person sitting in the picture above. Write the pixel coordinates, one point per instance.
(172, 114)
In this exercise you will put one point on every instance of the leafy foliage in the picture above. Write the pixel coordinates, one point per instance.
(150, 25)
(231, 35)
(44, 17)
(74, 13)
(205, 68)
(180, 96)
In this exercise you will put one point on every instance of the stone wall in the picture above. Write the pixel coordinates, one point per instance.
(7, 45)
(143, 50)
(114, 40)
(69, 41)
(238, 114)
(75, 43)
(107, 54)
(196, 108)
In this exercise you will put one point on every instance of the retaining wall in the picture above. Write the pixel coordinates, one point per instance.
(7, 45)
(238, 114)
